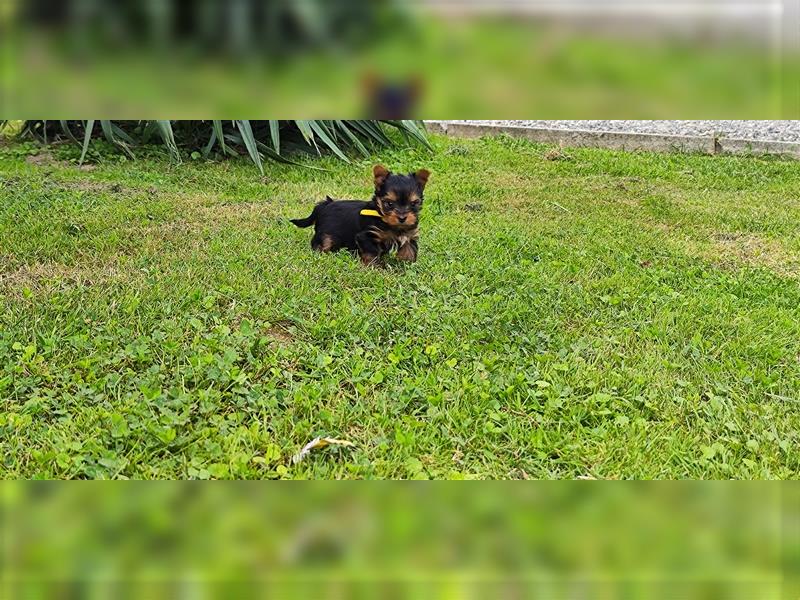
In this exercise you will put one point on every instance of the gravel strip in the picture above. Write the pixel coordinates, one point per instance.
(781, 131)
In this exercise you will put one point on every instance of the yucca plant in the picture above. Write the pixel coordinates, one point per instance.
(272, 139)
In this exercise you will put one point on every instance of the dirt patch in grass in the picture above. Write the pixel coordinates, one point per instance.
(629, 191)
(237, 212)
(38, 276)
(512, 180)
(211, 209)
(40, 159)
(751, 249)
(280, 332)
(733, 250)
(88, 185)
(84, 185)
(556, 153)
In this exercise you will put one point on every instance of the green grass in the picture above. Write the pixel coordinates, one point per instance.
(583, 313)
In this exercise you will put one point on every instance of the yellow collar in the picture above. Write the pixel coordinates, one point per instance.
(368, 212)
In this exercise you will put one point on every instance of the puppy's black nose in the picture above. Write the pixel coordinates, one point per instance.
(402, 218)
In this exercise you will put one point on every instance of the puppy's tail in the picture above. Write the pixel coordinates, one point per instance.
(306, 222)
(312, 218)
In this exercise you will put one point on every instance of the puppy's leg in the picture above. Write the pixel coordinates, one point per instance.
(323, 242)
(369, 250)
(408, 251)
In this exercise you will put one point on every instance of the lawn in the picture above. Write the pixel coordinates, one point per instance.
(575, 313)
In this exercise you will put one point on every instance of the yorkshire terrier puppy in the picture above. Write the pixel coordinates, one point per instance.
(390, 221)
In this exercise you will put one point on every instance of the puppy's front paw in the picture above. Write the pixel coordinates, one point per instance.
(371, 260)
(407, 253)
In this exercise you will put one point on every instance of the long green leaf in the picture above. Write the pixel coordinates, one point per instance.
(106, 127)
(353, 138)
(121, 134)
(275, 132)
(108, 131)
(320, 131)
(416, 129)
(372, 130)
(250, 143)
(149, 129)
(329, 127)
(210, 145)
(87, 137)
(217, 126)
(305, 129)
(304, 126)
(282, 159)
(67, 131)
(165, 128)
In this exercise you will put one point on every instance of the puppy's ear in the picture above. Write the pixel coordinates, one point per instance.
(422, 177)
(370, 83)
(381, 173)
(415, 87)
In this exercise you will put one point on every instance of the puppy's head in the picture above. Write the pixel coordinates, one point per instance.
(391, 100)
(399, 197)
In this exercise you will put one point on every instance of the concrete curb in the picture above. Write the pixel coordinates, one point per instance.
(731, 146)
(616, 140)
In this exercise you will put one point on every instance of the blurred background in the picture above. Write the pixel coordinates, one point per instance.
(433, 59)
(339, 540)
(385, 59)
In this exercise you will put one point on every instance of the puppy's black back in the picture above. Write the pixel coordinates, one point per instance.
(338, 222)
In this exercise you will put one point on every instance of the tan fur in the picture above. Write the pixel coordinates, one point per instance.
(327, 243)
(380, 173)
(368, 259)
(393, 238)
(406, 252)
(390, 219)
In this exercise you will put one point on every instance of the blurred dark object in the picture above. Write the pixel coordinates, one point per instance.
(512, 59)
(391, 99)
(238, 27)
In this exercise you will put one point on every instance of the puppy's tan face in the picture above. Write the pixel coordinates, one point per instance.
(399, 210)
(400, 197)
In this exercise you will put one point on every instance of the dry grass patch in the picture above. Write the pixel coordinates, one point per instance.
(40, 276)
(754, 250)
(88, 185)
(556, 153)
(280, 333)
(41, 159)
(731, 250)
(210, 209)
